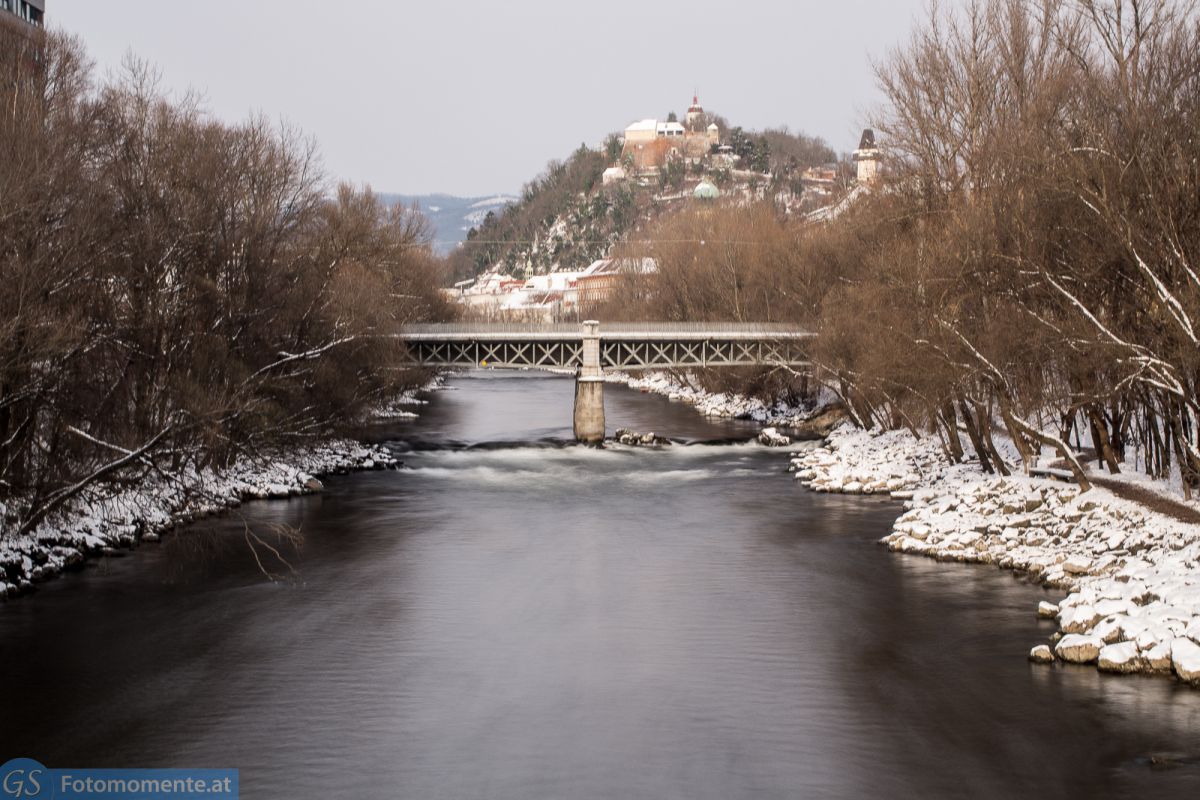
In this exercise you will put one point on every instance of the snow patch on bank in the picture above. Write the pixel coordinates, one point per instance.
(401, 407)
(711, 404)
(1132, 575)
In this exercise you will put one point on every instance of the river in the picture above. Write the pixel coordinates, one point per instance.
(510, 617)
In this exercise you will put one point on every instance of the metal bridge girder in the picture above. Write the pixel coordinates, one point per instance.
(625, 347)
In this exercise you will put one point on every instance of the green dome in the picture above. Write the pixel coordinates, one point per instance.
(705, 190)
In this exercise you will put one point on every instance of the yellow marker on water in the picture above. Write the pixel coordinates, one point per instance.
(483, 363)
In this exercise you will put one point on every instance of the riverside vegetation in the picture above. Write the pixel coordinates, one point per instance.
(179, 296)
(1027, 269)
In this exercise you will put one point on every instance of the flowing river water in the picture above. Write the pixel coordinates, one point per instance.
(512, 617)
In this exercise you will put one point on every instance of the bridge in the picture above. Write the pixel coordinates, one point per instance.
(589, 349)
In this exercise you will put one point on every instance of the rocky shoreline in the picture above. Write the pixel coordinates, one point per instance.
(709, 404)
(1131, 575)
(801, 423)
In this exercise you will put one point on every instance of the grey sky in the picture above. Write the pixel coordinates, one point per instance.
(474, 97)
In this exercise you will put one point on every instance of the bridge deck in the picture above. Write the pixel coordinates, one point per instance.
(624, 346)
(618, 330)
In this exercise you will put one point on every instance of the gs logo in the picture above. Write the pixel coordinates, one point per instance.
(22, 779)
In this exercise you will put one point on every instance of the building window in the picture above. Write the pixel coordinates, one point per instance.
(23, 10)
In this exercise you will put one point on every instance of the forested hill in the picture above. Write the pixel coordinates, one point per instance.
(566, 217)
(452, 216)
(563, 216)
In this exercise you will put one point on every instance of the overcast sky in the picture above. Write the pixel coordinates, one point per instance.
(473, 98)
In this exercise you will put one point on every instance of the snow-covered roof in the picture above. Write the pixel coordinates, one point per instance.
(612, 266)
(663, 127)
(643, 125)
(598, 266)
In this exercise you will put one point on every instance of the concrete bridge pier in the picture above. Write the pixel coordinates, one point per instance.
(589, 389)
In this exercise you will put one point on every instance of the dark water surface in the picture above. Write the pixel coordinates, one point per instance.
(510, 619)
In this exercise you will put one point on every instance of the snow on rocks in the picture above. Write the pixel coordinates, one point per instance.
(1078, 648)
(859, 462)
(1185, 659)
(712, 404)
(773, 438)
(1041, 654)
(634, 439)
(1131, 576)
(400, 407)
(1120, 657)
(1157, 658)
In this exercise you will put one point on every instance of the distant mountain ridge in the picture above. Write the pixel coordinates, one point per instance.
(453, 216)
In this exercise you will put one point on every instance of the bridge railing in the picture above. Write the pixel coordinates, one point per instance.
(608, 330)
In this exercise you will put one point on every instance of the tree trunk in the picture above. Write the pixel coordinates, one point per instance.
(1064, 450)
(1103, 444)
(984, 419)
(976, 441)
(1027, 456)
(949, 420)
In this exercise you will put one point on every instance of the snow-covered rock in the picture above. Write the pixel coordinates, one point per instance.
(1158, 657)
(773, 438)
(1078, 648)
(1185, 659)
(635, 439)
(1077, 565)
(1041, 655)
(1122, 657)
(1078, 619)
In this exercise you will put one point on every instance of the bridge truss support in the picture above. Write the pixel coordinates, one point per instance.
(589, 388)
(589, 351)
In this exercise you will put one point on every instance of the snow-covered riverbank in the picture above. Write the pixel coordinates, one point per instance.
(96, 524)
(1132, 575)
(712, 404)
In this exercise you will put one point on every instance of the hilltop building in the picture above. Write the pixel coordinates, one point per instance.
(695, 114)
(31, 12)
(868, 157)
(649, 143)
